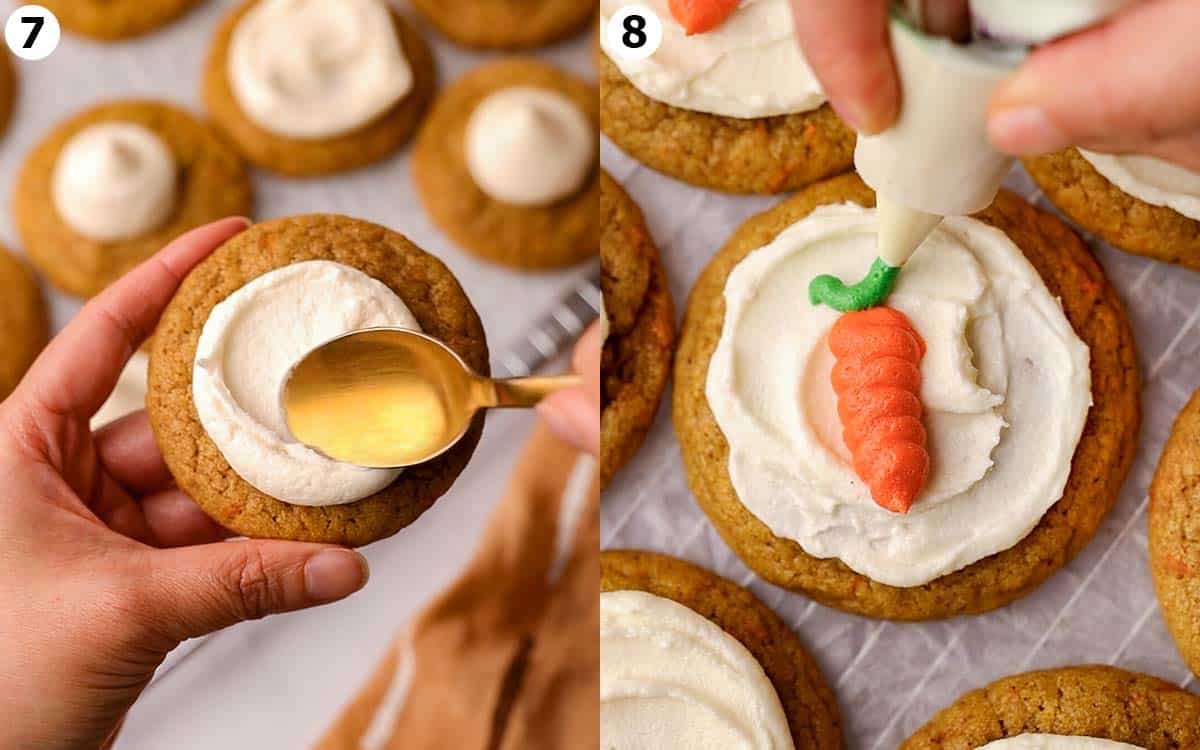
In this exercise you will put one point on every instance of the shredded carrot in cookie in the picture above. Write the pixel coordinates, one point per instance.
(699, 16)
(877, 378)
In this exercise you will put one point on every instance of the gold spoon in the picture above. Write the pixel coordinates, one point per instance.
(391, 397)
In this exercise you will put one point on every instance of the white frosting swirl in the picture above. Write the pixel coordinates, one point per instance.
(251, 341)
(529, 146)
(749, 66)
(1157, 182)
(317, 68)
(1056, 742)
(671, 678)
(114, 181)
(1005, 385)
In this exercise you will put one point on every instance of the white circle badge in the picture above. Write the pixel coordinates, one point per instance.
(32, 32)
(633, 33)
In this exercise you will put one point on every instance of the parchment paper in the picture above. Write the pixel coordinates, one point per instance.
(890, 678)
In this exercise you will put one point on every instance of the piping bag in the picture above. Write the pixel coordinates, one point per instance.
(936, 160)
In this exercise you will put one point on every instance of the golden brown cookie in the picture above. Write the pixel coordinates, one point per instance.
(1102, 208)
(811, 710)
(298, 157)
(1090, 701)
(760, 155)
(8, 90)
(641, 328)
(213, 184)
(506, 24)
(1175, 533)
(532, 237)
(110, 20)
(24, 325)
(425, 285)
(1101, 460)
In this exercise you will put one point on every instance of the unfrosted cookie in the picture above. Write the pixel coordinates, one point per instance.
(757, 155)
(422, 283)
(211, 184)
(1091, 701)
(506, 24)
(637, 353)
(1102, 208)
(24, 326)
(1175, 533)
(808, 703)
(1100, 463)
(537, 236)
(301, 157)
(111, 20)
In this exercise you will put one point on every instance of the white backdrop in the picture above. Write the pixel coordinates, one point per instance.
(278, 682)
(890, 678)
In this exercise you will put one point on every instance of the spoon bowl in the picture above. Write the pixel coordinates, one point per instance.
(394, 397)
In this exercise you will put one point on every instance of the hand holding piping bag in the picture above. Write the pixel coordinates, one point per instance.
(934, 154)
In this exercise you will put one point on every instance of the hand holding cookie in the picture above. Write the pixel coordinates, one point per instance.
(107, 566)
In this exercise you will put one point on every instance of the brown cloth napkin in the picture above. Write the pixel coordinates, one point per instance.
(508, 657)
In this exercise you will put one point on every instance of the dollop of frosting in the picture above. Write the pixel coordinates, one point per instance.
(529, 146)
(1056, 742)
(129, 395)
(749, 66)
(248, 346)
(1005, 384)
(313, 69)
(115, 181)
(1036, 21)
(1157, 182)
(671, 678)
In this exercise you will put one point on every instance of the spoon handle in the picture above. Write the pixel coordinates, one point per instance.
(527, 392)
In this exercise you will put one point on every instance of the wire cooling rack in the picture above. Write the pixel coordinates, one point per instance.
(890, 678)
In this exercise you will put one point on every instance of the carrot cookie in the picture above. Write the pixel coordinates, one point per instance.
(964, 460)
(24, 326)
(1175, 534)
(507, 164)
(1140, 204)
(239, 322)
(506, 24)
(689, 659)
(640, 332)
(309, 88)
(1073, 708)
(112, 185)
(8, 90)
(111, 20)
(734, 107)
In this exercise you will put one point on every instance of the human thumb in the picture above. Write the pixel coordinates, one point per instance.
(200, 589)
(1115, 87)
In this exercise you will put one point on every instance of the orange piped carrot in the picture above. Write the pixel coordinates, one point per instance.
(699, 16)
(877, 378)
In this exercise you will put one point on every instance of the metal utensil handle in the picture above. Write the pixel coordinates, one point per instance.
(526, 392)
(554, 332)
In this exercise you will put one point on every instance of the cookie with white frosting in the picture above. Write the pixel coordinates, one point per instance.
(1173, 538)
(1020, 327)
(640, 332)
(318, 86)
(735, 108)
(231, 334)
(506, 24)
(689, 659)
(112, 20)
(24, 325)
(1072, 708)
(112, 185)
(1139, 204)
(507, 163)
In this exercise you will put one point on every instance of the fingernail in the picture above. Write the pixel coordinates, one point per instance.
(333, 574)
(860, 118)
(1025, 131)
(245, 220)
